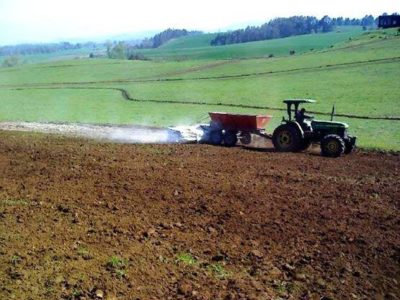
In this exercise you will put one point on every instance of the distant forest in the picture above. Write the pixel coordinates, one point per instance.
(285, 27)
(25, 49)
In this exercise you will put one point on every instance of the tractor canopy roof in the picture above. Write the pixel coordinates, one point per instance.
(292, 101)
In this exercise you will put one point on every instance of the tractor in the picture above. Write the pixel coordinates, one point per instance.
(299, 131)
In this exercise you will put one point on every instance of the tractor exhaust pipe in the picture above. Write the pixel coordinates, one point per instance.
(333, 112)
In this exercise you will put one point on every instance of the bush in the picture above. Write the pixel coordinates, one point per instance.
(137, 56)
(10, 61)
(292, 52)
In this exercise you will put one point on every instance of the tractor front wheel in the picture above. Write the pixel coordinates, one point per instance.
(332, 145)
(287, 138)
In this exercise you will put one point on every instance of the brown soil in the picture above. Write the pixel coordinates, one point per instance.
(81, 219)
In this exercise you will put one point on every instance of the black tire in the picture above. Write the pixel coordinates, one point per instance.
(245, 138)
(230, 138)
(332, 145)
(287, 138)
(216, 137)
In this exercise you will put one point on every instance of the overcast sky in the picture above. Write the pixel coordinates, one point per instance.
(52, 20)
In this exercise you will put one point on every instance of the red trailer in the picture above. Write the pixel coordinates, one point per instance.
(227, 128)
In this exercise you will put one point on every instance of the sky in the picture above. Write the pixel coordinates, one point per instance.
(57, 20)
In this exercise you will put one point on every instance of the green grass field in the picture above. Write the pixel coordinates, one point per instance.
(359, 76)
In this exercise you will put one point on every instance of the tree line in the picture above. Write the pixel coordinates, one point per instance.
(26, 49)
(285, 27)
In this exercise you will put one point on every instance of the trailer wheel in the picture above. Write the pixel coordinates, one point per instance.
(245, 138)
(230, 138)
(216, 137)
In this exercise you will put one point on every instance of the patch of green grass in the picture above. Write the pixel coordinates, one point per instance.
(186, 258)
(76, 294)
(14, 202)
(116, 262)
(117, 266)
(120, 273)
(218, 270)
(285, 288)
(281, 288)
(15, 259)
(83, 251)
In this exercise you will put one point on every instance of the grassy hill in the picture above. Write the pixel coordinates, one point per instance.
(359, 76)
(198, 47)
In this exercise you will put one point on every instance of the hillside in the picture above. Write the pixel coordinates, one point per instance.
(358, 76)
(196, 41)
(197, 47)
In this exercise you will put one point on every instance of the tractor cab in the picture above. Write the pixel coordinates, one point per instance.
(293, 107)
(307, 122)
(297, 114)
(300, 130)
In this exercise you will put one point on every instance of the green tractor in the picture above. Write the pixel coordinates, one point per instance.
(299, 131)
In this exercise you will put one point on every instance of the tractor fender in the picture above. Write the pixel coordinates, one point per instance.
(298, 127)
(215, 125)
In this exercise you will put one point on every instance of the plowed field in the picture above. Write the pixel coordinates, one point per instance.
(87, 220)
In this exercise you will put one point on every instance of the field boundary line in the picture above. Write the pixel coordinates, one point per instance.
(125, 94)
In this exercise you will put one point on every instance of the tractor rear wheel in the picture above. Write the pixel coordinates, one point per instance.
(287, 138)
(332, 145)
(230, 138)
(216, 137)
